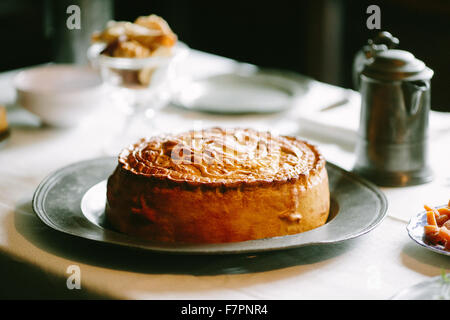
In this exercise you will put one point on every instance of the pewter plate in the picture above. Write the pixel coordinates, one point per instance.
(416, 232)
(72, 200)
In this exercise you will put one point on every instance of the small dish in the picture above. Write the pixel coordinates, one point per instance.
(72, 200)
(61, 95)
(416, 232)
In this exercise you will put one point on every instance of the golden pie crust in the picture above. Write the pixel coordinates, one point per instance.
(218, 185)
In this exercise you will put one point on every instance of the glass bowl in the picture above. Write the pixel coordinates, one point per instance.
(136, 73)
(137, 87)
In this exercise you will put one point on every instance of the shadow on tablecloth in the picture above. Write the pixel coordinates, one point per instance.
(417, 258)
(139, 260)
(29, 282)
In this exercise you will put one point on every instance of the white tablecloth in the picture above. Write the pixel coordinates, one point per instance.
(373, 266)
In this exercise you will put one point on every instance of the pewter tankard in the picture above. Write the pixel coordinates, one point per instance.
(393, 134)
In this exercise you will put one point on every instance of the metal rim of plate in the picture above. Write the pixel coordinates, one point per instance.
(415, 230)
(57, 202)
(291, 84)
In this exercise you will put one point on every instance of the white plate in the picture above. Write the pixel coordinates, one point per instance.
(248, 90)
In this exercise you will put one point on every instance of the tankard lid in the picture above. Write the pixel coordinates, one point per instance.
(396, 64)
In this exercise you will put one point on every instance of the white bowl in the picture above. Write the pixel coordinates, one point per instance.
(61, 95)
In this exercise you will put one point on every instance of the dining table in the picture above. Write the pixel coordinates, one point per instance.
(36, 261)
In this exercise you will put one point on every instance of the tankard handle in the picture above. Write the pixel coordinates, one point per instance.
(413, 91)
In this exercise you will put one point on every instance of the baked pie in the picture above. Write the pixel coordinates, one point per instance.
(218, 185)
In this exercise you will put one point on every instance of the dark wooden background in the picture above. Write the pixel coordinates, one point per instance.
(315, 37)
